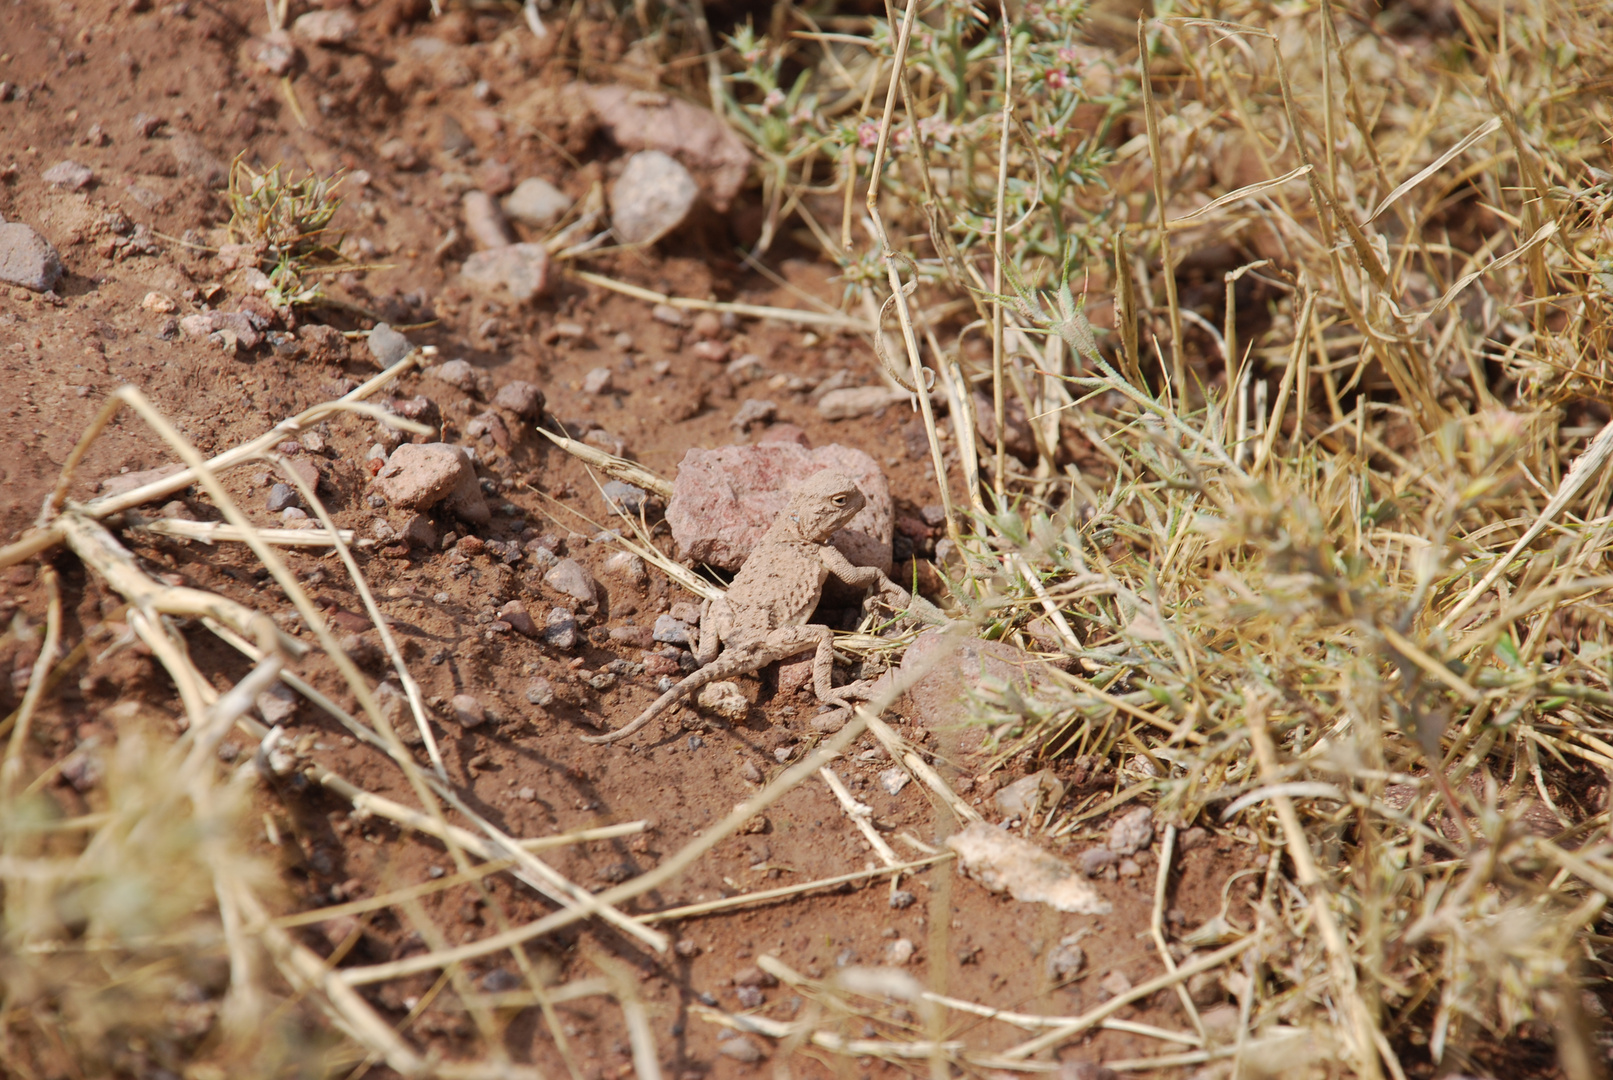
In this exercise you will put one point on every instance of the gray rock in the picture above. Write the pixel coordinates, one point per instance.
(1095, 860)
(540, 691)
(521, 398)
(854, 402)
(741, 1049)
(501, 979)
(752, 411)
(387, 345)
(276, 52)
(537, 203)
(560, 629)
(625, 564)
(625, 497)
(570, 577)
(723, 500)
(277, 704)
(280, 497)
(468, 711)
(27, 259)
(462, 375)
(484, 221)
(519, 270)
(652, 197)
(1133, 832)
(1065, 961)
(670, 631)
(69, 174)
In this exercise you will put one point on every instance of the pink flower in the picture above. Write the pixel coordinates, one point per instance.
(774, 98)
(1057, 80)
(1066, 55)
(868, 136)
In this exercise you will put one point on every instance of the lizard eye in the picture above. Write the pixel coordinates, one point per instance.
(840, 500)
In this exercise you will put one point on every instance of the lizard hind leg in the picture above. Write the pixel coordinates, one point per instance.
(738, 660)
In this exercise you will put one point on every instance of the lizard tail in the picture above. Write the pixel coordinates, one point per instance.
(691, 682)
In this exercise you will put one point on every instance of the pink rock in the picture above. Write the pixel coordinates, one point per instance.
(484, 221)
(637, 636)
(724, 500)
(941, 698)
(304, 470)
(520, 270)
(468, 711)
(328, 28)
(27, 259)
(697, 137)
(124, 482)
(421, 475)
(521, 398)
(515, 613)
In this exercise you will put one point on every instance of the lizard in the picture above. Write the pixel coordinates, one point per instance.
(762, 618)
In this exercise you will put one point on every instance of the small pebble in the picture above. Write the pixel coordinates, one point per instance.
(597, 381)
(560, 629)
(280, 497)
(468, 711)
(540, 692)
(671, 631)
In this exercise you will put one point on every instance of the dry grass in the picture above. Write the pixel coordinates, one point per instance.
(1330, 558)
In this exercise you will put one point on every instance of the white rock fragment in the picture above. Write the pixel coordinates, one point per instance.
(1003, 862)
(537, 203)
(893, 780)
(652, 197)
(725, 700)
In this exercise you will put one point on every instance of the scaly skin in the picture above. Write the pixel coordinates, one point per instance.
(763, 616)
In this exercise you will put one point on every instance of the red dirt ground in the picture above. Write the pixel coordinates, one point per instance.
(81, 66)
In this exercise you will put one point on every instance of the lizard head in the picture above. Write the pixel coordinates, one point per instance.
(825, 502)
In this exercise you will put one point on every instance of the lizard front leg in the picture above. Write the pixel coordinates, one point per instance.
(873, 578)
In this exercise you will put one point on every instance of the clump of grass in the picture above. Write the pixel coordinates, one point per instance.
(289, 219)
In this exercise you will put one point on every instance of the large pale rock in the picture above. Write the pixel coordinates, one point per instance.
(27, 259)
(849, 403)
(697, 137)
(724, 500)
(1002, 862)
(420, 475)
(520, 270)
(652, 197)
(940, 699)
(327, 28)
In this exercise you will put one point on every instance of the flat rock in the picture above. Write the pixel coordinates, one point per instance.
(652, 197)
(520, 397)
(537, 203)
(723, 500)
(753, 411)
(421, 475)
(277, 704)
(670, 631)
(462, 375)
(387, 345)
(1002, 862)
(69, 174)
(324, 344)
(940, 699)
(852, 402)
(27, 259)
(125, 482)
(280, 497)
(484, 221)
(327, 28)
(519, 270)
(560, 630)
(624, 497)
(723, 699)
(697, 137)
(238, 326)
(570, 577)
